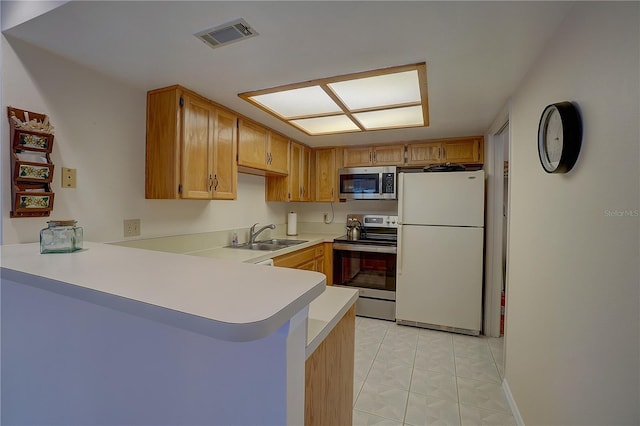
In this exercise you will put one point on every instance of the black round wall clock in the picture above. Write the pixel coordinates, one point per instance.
(559, 137)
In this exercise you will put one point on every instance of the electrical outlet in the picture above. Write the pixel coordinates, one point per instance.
(131, 227)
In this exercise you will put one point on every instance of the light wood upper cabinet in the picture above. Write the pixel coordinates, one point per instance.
(469, 150)
(190, 148)
(424, 153)
(465, 151)
(327, 163)
(261, 149)
(278, 152)
(392, 155)
(389, 155)
(296, 185)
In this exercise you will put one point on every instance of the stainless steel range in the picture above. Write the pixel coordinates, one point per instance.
(368, 263)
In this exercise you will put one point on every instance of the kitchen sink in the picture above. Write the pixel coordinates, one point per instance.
(268, 245)
(281, 242)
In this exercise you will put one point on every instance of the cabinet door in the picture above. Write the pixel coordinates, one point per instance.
(252, 145)
(295, 178)
(198, 125)
(325, 174)
(388, 155)
(424, 153)
(225, 167)
(466, 151)
(162, 165)
(356, 157)
(278, 154)
(305, 173)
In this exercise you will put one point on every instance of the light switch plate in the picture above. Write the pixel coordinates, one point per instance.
(68, 177)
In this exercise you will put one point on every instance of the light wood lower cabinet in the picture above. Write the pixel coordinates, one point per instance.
(316, 258)
(310, 259)
(329, 377)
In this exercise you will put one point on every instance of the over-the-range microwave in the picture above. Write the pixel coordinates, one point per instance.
(368, 183)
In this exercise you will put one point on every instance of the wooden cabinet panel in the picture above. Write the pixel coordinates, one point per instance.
(310, 259)
(388, 155)
(326, 175)
(198, 122)
(278, 153)
(252, 145)
(392, 155)
(329, 377)
(190, 147)
(357, 157)
(225, 178)
(294, 186)
(424, 153)
(262, 150)
(467, 151)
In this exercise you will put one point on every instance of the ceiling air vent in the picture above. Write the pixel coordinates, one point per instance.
(224, 34)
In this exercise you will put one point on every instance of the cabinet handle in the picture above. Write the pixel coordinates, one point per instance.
(210, 182)
(215, 179)
(375, 157)
(370, 157)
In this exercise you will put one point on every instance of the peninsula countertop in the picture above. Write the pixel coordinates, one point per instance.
(225, 299)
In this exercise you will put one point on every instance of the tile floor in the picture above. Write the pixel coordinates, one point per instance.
(412, 376)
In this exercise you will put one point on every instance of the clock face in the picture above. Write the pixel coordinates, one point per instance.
(553, 138)
(559, 137)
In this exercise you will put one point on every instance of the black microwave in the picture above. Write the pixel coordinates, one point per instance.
(368, 183)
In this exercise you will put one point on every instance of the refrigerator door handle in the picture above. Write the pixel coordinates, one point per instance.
(400, 200)
(399, 252)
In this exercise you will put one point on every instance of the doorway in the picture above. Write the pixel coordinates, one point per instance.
(497, 229)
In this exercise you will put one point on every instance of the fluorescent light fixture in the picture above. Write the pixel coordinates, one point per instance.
(325, 125)
(298, 102)
(387, 98)
(391, 118)
(382, 90)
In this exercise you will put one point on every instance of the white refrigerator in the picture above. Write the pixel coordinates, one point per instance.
(440, 250)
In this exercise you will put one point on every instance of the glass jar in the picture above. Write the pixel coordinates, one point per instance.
(61, 236)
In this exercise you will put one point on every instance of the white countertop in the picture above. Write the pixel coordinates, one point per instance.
(222, 298)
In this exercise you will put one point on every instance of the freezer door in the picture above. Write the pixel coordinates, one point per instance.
(440, 276)
(441, 198)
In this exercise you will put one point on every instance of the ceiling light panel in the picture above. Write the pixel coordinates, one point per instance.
(386, 98)
(391, 118)
(324, 125)
(378, 91)
(298, 102)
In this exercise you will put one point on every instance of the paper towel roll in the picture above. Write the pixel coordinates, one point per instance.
(292, 223)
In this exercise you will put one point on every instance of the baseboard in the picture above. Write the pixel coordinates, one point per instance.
(512, 403)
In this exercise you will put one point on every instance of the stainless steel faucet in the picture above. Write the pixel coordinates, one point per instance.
(253, 235)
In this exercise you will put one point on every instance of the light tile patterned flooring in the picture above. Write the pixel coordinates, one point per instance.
(412, 376)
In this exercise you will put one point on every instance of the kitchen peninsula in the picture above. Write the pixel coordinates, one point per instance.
(118, 335)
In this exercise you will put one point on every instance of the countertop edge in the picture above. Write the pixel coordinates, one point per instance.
(336, 311)
(233, 332)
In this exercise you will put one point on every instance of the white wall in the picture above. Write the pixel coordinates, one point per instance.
(572, 338)
(100, 131)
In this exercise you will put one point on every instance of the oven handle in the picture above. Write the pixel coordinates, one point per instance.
(365, 248)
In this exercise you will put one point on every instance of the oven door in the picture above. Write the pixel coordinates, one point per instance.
(371, 269)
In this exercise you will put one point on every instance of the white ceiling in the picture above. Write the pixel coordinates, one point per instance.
(476, 52)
